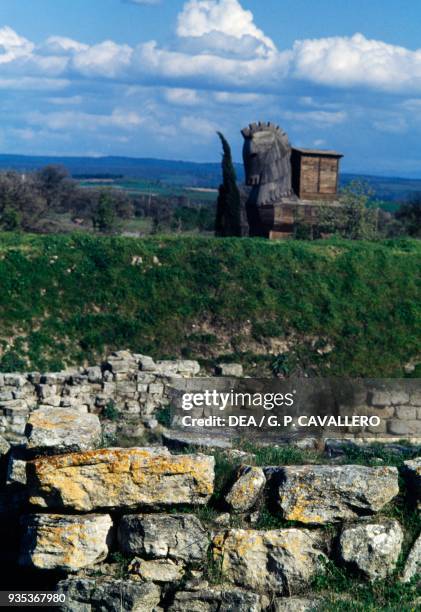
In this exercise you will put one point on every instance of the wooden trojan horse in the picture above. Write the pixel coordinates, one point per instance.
(285, 183)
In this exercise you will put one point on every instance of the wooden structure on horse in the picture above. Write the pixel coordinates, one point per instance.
(285, 183)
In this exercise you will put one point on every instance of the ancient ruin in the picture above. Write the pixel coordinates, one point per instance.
(111, 509)
(286, 183)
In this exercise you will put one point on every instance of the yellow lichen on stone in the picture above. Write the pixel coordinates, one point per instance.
(53, 541)
(121, 478)
(267, 560)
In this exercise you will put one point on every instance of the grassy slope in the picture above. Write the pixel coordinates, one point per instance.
(69, 299)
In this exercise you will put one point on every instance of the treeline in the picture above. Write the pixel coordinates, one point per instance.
(34, 202)
(37, 201)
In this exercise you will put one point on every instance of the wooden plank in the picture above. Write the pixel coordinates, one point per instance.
(274, 235)
(309, 175)
(328, 176)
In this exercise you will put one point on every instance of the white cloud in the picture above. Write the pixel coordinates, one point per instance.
(357, 61)
(78, 120)
(201, 17)
(391, 123)
(207, 70)
(33, 84)
(198, 126)
(219, 48)
(220, 68)
(106, 59)
(238, 99)
(13, 46)
(60, 45)
(66, 101)
(182, 97)
(318, 118)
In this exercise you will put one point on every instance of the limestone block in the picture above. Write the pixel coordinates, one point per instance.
(413, 563)
(415, 398)
(146, 363)
(94, 374)
(223, 598)
(278, 561)
(404, 428)
(319, 494)
(372, 547)
(132, 406)
(145, 377)
(187, 367)
(230, 369)
(180, 537)
(407, 413)
(296, 604)
(157, 570)
(247, 489)
(12, 406)
(68, 543)
(14, 380)
(109, 595)
(156, 388)
(62, 429)
(45, 390)
(53, 401)
(6, 396)
(16, 470)
(120, 478)
(4, 446)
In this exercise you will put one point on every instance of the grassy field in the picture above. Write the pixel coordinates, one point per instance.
(345, 308)
(155, 188)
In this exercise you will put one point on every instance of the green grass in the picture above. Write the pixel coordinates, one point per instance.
(341, 592)
(69, 300)
(282, 455)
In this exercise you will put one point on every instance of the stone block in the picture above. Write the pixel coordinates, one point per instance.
(109, 595)
(247, 489)
(413, 563)
(225, 598)
(234, 370)
(404, 428)
(320, 494)
(180, 537)
(275, 561)
(120, 478)
(372, 547)
(407, 413)
(58, 430)
(67, 543)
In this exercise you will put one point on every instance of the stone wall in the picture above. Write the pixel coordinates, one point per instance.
(131, 384)
(149, 530)
(135, 387)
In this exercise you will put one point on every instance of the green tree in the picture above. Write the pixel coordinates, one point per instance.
(104, 218)
(10, 219)
(55, 185)
(22, 206)
(354, 218)
(409, 215)
(228, 208)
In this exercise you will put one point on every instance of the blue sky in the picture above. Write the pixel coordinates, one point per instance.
(157, 78)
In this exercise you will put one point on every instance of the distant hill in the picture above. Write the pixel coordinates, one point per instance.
(169, 171)
(182, 173)
(393, 189)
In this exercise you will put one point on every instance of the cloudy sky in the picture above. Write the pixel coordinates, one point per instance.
(157, 78)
